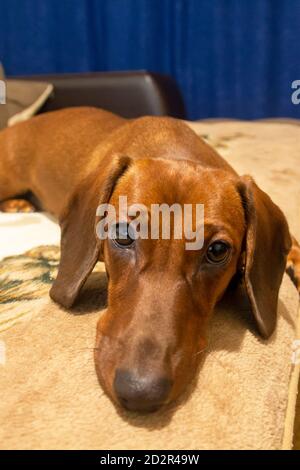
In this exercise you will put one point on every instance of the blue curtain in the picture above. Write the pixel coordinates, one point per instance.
(234, 58)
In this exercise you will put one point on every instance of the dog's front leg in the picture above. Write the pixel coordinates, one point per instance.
(293, 263)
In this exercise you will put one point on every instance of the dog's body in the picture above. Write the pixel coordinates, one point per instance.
(76, 158)
(51, 154)
(67, 141)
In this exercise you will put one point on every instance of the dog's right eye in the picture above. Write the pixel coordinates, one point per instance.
(123, 238)
(218, 252)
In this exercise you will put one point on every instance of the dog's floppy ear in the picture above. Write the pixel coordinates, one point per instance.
(266, 246)
(79, 245)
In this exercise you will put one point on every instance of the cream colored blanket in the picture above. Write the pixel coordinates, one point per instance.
(50, 397)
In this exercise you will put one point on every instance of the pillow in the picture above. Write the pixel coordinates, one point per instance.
(23, 99)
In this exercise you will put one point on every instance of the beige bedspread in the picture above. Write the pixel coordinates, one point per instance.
(50, 397)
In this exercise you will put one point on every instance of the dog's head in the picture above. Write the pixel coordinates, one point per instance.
(160, 294)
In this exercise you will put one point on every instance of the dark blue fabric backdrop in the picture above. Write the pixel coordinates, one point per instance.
(233, 58)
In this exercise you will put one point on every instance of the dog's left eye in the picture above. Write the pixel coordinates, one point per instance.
(218, 252)
(123, 236)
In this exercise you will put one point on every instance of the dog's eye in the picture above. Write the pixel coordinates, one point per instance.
(123, 236)
(218, 252)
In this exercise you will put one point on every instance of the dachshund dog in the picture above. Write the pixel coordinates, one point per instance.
(160, 295)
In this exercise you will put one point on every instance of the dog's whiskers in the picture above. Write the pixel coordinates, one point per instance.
(201, 351)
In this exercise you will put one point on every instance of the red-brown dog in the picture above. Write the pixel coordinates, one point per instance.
(160, 296)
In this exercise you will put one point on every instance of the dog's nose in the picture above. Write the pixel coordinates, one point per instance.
(141, 393)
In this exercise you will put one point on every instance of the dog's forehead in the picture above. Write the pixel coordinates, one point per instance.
(166, 181)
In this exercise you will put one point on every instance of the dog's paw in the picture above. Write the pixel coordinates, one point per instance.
(16, 205)
(293, 264)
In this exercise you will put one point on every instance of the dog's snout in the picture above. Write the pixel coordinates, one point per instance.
(141, 393)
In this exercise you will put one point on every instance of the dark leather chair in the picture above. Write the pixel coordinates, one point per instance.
(130, 94)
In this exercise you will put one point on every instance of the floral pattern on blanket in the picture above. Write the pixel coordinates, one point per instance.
(25, 280)
(18, 273)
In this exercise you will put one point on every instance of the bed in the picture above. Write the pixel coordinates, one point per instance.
(245, 394)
